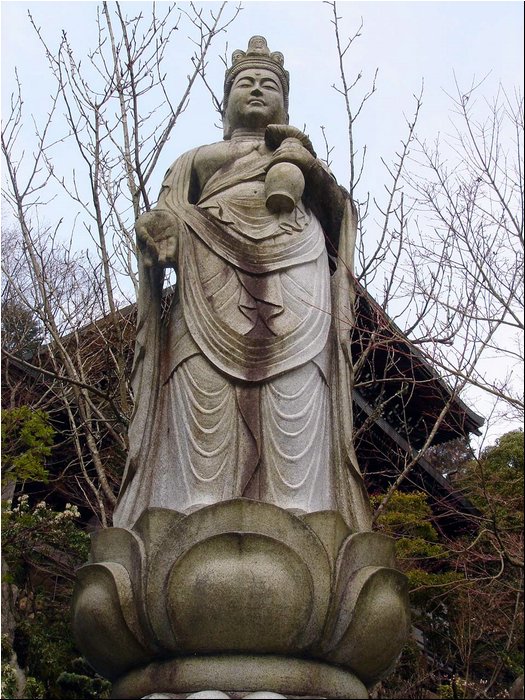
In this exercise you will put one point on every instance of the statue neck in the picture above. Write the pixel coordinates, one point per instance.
(243, 134)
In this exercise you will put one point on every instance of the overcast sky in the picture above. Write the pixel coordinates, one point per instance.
(408, 42)
(437, 43)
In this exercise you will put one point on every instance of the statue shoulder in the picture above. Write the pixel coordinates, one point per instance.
(183, 163)
(211, 153)
(208, 159)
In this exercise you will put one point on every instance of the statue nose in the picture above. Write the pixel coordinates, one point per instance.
(256, 91)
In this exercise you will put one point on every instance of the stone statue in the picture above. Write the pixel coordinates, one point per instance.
(242, 385)
(241, 562)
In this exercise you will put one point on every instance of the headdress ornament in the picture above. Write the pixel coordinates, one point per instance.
(257, 56)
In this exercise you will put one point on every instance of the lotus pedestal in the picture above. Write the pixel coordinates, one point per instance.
(240, 599)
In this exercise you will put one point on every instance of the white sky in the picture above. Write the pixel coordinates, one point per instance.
(407, 41)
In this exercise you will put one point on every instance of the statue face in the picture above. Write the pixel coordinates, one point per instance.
(256, 100)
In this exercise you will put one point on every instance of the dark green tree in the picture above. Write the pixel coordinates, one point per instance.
(27, 439)
(466, 591)
(426, 560)
(41, 548)
(489, 612)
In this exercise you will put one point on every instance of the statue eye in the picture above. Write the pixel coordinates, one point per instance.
(270, 85)
(244, 83)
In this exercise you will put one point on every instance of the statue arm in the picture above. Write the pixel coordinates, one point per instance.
(158, 233)
(328, 201)
(158, 230)
(322, 195)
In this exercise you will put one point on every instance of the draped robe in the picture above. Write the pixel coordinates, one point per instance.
(243, 383)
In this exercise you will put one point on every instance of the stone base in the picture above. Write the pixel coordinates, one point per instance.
(240, 597)
(239, 676)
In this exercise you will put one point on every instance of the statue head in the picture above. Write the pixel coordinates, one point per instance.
(264, 73)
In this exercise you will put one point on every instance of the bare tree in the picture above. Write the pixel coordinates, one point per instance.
(446, 272)
(118, 116)
(441, 296)
(466, 248)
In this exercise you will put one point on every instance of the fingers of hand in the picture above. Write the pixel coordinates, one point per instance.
(147, 259)
(166, 250)
(292, 154)
(153, 224)
(158, 249)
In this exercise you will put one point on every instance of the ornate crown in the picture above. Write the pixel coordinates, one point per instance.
(257, 56)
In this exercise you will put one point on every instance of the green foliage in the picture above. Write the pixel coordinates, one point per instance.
(80, 683)
(9, 682)
(43, 643)
(407, 518)
(446, 691)
(6, 649)
(467, 591)
(424, 585)
(419, 548)
(43, 538)
(45, 646)
(495, 482)
(461, 688)
(427, 564)
(27, 439)
(42, 548)
(407, 515)
(507, 454)
(34, 689)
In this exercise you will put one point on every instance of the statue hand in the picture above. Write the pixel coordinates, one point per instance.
(292, 150)
(275, 134)
(157, 237)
